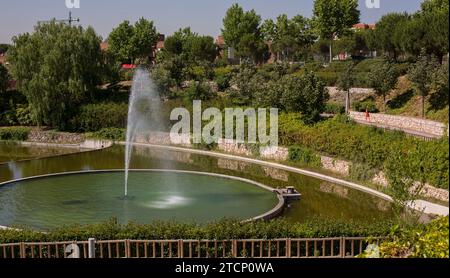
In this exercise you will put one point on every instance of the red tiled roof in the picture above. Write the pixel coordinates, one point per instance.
(363, 26)
(128, 66)
(104, 46)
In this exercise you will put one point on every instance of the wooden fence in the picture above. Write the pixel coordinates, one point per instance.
(251, 248)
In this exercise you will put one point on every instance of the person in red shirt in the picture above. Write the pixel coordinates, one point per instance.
(367, 115)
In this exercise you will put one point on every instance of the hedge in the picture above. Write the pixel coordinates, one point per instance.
(115, 134)
(304, 156)
(14, 133)
(375, 147)
(94, 117)
(220, 230)
(424, 241)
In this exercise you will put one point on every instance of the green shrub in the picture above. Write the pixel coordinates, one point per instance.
(362, 106)
(362, 172)
(367, 64)
(422, 241)
(24, 115)
(330, 78)
(14, 133)
(199, 91)
(222, 77)
(334, 108)
(94, 117)
(221, 230)
(115, 134)
(377, 148)
(304, 156)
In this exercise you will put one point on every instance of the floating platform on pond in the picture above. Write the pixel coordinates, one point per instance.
(289, 193)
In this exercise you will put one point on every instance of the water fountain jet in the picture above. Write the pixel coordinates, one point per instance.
(144, 116)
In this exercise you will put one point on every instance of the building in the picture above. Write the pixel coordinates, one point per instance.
(363, 26)
(221, 47)
(104, 46)
(158, 47)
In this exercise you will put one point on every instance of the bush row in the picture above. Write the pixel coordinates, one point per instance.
(304, 156)
(332, 72)
(374, 147)
(430, 241)
(14, 133)
(114, 134)
(94, 117)
(220, 230)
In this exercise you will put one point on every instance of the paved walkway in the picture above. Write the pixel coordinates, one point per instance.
(427, 136)
(421, 205)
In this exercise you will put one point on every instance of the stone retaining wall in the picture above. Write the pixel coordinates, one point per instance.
(42, 136)
(229, 146)
(356, 94)
(334, 165)
(404, 123)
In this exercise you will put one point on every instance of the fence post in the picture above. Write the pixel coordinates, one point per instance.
(22, 250)
(342, 247)
(288, 248)
(127, 248)
(234, 248)
(91, 248)
(180, 249)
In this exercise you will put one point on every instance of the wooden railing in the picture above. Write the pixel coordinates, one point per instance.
(248, 248)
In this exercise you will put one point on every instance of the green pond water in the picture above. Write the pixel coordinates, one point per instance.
(95, 197)
(10, 151)
(84, 199)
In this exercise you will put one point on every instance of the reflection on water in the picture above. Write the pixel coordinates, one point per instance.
(169, 202)
(319, 199)
(11, 151)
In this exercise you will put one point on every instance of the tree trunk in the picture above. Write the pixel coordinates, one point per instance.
(331, 52)
(423, 106)
(347, 102)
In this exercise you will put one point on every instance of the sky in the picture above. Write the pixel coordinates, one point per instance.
(203, 16)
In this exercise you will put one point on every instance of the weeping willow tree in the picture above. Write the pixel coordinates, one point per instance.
(55, 67)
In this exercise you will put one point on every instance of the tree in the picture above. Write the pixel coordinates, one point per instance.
(4, 48)
(421, 74)
(289, 37)
(390, 33)
(191, 46)
(354, 43)
(119, 41)
(4, 79)
(383, 78)
(440, 88)
(202, 48)
(345, 82)
(431, 28)
(333, 18)
(305, 94)
(54, 67)
(129, 43)
(241, 86)
(144, 39)
(241, 31)
(199, 91)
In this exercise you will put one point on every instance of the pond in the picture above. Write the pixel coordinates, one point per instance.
(11, 151)
(319, 199)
